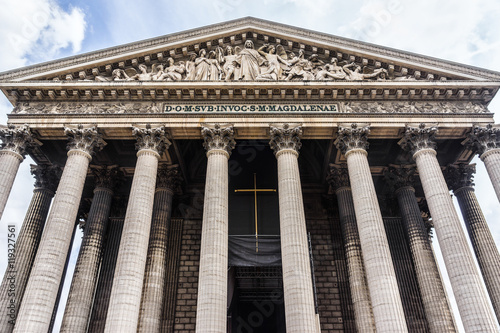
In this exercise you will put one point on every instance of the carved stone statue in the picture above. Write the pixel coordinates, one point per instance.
(249, 61)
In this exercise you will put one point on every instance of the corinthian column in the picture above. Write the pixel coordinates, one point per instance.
(43, 285)
(211, 309)
(437, 310)
(296, 265)
(15, 143)
(464, 277)
(125, 300)
(460, 180)
(81, 293)
(153, 292)
(339, 181)
(486, 143)
(16, 275)
(382, 284)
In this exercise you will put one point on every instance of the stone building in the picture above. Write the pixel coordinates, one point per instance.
(251, 177)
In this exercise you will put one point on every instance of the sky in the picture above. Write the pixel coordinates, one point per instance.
(34, 31)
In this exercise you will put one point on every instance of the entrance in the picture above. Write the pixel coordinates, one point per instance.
(255, 282)
(256, 305)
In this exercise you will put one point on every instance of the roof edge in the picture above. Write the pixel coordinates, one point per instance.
(241, 23)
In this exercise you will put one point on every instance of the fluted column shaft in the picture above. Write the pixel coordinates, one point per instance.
(81, 294)
(123, 311)
(436, 305)
(297, 280)
(381, 277)
(211, 308)
(482, 242)
(9, 165)
(491, 160)
(154, 278)
(43, 285)
(465, 280)
(16, 276)
(357, 277)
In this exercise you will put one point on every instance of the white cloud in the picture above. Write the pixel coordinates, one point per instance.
(37, 30)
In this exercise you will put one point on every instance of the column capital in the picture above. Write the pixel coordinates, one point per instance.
(218, 138)
(151, 138)
(352, 138)
(484, 139)
(168, 178)
(285, 138)
(399, 176)
(459, 176)
(338, 177)
(17, 139)
(107, 177)
(46, 176)
(87, 140)
(417, 139)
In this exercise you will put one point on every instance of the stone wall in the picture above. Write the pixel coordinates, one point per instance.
(187, 285)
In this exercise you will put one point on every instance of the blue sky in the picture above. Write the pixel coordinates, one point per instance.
(33, 31)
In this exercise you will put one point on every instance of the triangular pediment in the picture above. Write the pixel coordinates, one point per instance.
(226, 59)
(287, 41)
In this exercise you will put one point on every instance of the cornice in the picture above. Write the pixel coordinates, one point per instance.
(83, 91)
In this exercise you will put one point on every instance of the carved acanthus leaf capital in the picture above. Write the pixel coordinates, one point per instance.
(338, 176)
(17, 139)
(218, 138)
(106, 176)
(87, 140)
(352, 138)
(169, 177)
(484, 139)
(416, 139)
(285, 138)
(458, 176)
(400, 176)
(46, 176)
(151, 138)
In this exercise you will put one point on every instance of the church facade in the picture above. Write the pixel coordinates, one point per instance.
(251, 177)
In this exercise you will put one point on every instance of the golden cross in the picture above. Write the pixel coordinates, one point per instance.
(255, 190)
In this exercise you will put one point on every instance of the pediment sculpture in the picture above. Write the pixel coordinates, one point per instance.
(245, 62)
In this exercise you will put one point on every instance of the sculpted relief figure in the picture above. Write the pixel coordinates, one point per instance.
(144, 75)
(172, 72)
(249, 60)
(229, 67)
(273, 61)
(356, 75)
(191, 67)
(215, 70)
(331, 71)
(116, 75)
(301, 67)
(202, 66)
(207, 68)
